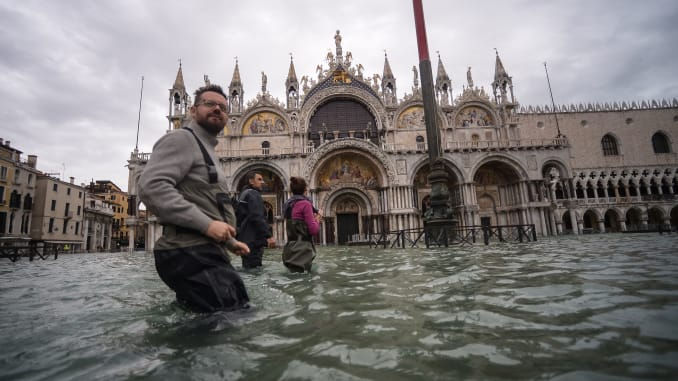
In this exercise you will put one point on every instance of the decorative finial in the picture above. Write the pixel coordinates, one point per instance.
(236, 59)
(291, 58)
(496, 51)
(179, 63)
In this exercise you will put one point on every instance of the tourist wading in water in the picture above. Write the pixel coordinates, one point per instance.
(302, 223)
(184, 188)
(252, 226)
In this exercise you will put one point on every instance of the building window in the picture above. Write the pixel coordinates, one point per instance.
(660, 143)
(68, 191)
(2, 195)
(55, 187)
(265, 148)
(17, 175)
(78, 210)
(64, 230)
(77, 227)
(113, 197)
(609, 144)
(51, 225)
(3, 173)
(30, 179)
(53, 205)
(68, 206)
(28, 202)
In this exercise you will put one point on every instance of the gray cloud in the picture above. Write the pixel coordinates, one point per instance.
(71, 70)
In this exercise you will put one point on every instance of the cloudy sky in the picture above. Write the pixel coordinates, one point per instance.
(70, 70)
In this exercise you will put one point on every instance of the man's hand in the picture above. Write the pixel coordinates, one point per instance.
(236, 247)
(220, 231)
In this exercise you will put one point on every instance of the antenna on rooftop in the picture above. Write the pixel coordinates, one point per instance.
(136, 146)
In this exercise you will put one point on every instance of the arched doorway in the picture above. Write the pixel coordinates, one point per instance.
(567, 223)
(633, 220)
(674, 218)
(612, 222)
(655, 217)
(493, 180)
(347, 220)
(590, 222)
(347, 190)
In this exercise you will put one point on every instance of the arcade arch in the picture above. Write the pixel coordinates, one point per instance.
(347, 185)
(273, 191)
(612, 224)
(499, 193)
(422, 187)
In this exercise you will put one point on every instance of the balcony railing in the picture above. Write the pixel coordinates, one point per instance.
(270, 151)
(481, 145)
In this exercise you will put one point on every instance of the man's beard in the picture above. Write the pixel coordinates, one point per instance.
(211, 125)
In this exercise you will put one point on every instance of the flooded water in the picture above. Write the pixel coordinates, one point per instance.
(595, 307)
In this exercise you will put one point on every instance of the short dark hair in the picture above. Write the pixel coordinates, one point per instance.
(213, 88)
(297, 185)
(251, 174)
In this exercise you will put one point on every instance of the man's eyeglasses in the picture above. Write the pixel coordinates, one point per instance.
(213, 104)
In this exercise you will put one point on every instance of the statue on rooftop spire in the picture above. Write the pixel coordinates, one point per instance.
(337, 42)
(469, 78)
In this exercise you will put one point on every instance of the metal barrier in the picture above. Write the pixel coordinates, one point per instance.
(453, 236)
(33, 249)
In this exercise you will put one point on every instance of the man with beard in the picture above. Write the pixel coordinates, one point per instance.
(183, 187)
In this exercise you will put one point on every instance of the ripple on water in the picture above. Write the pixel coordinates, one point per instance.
(598, 306)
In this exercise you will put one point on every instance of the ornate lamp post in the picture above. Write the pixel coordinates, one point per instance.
(439, 224)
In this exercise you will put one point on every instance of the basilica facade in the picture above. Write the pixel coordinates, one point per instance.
(570, 169)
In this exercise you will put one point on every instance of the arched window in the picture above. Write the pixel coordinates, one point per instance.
(266, 148)
(660, 143)
(609, 144)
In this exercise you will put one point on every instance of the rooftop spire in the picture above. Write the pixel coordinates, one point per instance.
(388, 73)
(499, 71)
(179, 81)
(291, 73)
(442, 74)
(235, 81)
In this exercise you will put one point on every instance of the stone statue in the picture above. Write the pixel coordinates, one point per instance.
(319, 70)
(207, 80)
(416, 76)
(337, 42)
(264, 80)
(304, 83)
(469, 78)
(375, 79)
(360, 71)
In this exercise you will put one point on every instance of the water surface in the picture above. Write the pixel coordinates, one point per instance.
(596, 307)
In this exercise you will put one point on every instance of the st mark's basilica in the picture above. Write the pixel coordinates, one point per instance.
(568, 169)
